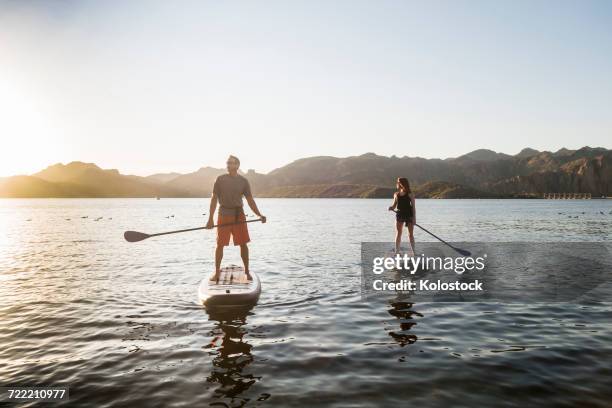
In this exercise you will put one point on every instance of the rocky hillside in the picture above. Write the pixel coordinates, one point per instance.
(479, 174)
(78, 179)
(482, 173)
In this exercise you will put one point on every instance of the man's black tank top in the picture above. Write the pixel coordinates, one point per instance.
(404, 204)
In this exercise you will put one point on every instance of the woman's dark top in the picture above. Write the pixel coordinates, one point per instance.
(405, 212)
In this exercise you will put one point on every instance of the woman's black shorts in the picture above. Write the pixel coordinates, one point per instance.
(403, 217)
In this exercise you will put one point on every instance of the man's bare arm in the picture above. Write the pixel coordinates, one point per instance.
(253, 207)
(211, 210)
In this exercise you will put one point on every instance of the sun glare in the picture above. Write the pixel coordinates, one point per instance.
(27, 136)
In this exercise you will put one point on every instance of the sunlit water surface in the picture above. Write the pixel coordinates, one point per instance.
(118, 322)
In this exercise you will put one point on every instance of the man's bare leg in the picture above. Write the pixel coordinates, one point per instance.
(218, 259)
(244, 254)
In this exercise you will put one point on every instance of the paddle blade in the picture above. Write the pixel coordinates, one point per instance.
(135, 236)
(463, 252)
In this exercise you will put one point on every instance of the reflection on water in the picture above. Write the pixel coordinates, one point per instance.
(405, 316)
(402, 309)
(231, 356)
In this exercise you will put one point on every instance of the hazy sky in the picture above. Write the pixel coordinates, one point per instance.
(147, 86)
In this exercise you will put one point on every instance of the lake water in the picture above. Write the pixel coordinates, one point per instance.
(118, 322)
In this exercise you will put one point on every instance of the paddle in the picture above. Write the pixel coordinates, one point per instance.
(135, 236)
(459, 250)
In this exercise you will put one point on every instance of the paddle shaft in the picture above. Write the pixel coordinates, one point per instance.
(201, 228)
(435, 236)
(461, 251)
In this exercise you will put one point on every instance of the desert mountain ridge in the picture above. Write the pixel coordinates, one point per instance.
(482, 173)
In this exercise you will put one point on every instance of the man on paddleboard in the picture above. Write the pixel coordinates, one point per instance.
(228, 191)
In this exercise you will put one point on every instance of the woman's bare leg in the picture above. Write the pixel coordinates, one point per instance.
(398, 235)
(411, 237)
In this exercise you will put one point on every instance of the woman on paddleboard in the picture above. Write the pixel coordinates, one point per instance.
(405, 212)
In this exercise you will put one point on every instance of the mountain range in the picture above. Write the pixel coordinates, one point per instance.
(478, 174)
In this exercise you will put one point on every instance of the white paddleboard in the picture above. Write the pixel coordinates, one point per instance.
(232, 290)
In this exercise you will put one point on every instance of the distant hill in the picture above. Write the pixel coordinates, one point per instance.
(59, 172)
(163, 177)
(329, 191)
(483, 171)
(197, 184)
(526, 152)
(33, 187)
(443, 189)
(78, 179)
(584, 173)
(478, 174)
(483, 155)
